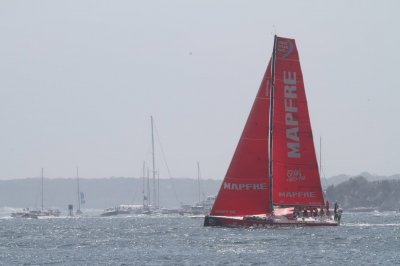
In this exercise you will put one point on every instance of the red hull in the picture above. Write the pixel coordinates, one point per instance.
(243, 222)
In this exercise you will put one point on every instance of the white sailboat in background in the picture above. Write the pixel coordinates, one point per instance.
(26, 213)
(150, 202)
(202, 207)
(126, 209)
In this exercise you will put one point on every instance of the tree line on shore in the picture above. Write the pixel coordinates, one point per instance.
(354, 193)
(358, 193)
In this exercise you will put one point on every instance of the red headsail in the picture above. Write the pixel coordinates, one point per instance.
(296, 178)
(245, 189)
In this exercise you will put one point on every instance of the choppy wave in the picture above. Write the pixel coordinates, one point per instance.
(363, 239)
(6, 211)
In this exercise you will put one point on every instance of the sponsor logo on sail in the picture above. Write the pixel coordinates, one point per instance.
(245, 186)
(291, 109)
(284, 48)
(297, 194)
(225, 211)
(294, 175)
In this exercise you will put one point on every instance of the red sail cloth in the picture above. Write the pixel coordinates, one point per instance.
(296, 179)
(245, 190)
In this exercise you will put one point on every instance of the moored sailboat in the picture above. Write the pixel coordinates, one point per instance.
(150, 204)
(273, 178)
(26, 213)
(201, 207)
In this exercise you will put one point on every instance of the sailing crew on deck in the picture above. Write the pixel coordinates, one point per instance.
(315, 212)
(321, 211)
(339, 214)
(296, 212)
(335, 211)
(327, 206)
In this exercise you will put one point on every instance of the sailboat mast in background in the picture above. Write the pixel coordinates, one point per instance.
(198, 179)
(78, 211)
(154, 162)
(148, 187)
(42, 189)
(144, 197)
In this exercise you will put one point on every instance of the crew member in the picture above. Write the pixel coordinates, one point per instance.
(335, 211)
(321, 211)
(305, 213)
(327, 206)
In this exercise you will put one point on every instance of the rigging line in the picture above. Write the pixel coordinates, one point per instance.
(136, 189)
(202, 186)
(166, 165)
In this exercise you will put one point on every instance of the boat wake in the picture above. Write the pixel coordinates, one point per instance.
(5, 212)
(371, 224)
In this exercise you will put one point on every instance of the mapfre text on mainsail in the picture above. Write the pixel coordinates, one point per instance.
(292, 125)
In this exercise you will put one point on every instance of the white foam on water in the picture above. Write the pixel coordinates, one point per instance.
(370, 224)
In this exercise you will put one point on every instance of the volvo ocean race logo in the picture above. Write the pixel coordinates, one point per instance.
(294, 175)
(284, 48)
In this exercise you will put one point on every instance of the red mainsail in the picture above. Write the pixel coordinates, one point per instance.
(245, 189)
(296, 179)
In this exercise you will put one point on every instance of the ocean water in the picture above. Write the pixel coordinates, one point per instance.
(371, 238)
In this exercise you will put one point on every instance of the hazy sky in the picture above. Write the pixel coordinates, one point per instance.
(80, 79)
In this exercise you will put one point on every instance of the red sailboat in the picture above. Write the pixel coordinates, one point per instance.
(273, 178)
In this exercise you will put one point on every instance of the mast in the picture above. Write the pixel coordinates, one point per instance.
(78, 191)
(158, 187)
(271, 116)
(42, 189)
(154, 163)
(320, 156)
(148, 187)
(198, 179)
(144, 177)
